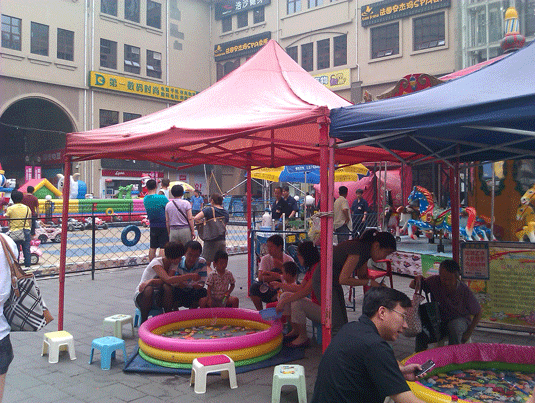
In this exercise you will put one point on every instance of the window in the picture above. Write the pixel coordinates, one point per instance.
(131, 10)
(108, 7)
(429, 31)
(530, 17)
(11, 30)
(307, 56)
(324, 54)
(154, 14)
(294, 6)
(108, 118)
(108, 54)
(243, 19)
(154, 64)
(314, 3)
(39, 39)
(65, 44)
(224, 68)
(258, 15)
(385, 40)
(226, 24)
(292, 52)
(340, 50)
(131, 59)
(129, 116)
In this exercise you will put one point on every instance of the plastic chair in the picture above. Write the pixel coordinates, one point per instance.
(289, 375)
(117, 322)
(375, 274)
(202, 366)
(54, 342)
(107, 346)
(152, 312)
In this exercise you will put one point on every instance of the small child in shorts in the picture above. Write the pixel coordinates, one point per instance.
(288, 278)
(220, 284)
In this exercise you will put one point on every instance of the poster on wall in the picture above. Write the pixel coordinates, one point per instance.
(475, 260)
(507, 296)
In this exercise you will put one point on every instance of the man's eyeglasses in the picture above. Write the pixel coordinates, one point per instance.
(403, 315)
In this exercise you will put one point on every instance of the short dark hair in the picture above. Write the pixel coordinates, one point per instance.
(151, 184)
(174, 250)
(386, 239)
(193, 245)
(30, 189)
(220, 254)
(359, 191)
(197, 191)
(276, 240)
(177, 190)
(290, 268)
(451, 266)
(16, 196)
(309, 252)
(383, 296)
(277, 187)
(342, 190)
(165, 182)
(285, 188)
(217, 198)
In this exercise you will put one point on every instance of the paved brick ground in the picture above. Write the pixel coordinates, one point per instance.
(32, 379)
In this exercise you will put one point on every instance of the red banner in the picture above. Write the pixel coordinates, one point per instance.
(119, 173)
(28, 172)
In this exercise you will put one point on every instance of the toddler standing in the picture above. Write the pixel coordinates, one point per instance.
(220, 284)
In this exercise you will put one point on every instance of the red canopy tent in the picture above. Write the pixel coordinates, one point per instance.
(268, 113)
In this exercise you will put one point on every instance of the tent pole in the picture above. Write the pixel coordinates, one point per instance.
(455, 210)
(326, 157)
(249, 220)
(63, 247)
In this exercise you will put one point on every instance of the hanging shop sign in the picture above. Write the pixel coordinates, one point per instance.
(139, 87)
(230, 7)
(383, 11)
(241, 47)
(334, 79)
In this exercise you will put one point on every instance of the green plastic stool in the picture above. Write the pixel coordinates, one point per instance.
(289, 375)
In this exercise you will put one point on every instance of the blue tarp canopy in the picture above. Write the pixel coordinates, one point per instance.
(489, 114)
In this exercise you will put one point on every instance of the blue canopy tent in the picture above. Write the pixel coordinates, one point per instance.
(487, 115)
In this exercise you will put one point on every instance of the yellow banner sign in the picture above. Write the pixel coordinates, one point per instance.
(139, 87)
(335, 79)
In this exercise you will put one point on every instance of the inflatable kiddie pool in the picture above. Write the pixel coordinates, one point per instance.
(482, 366)
(176, 338)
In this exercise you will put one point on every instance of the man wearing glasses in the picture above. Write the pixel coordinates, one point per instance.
(359, 365)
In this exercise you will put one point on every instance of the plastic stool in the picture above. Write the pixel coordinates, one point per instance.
(216, 363)
(54, 342)
(289, 375)
(152, 312)
(107, 346)
(316, 331)
(117, 321)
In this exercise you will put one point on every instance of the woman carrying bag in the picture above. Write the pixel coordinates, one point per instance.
(211, 226)
(20, 225)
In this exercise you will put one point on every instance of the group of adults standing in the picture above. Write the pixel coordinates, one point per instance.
(349, 222)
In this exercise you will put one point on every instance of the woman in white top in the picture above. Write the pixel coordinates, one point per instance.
(178, 217)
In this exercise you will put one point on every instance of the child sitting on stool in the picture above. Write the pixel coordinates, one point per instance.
(220, 284)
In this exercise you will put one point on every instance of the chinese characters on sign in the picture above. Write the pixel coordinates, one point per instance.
(230, 7)
(133, 86)
(241, 47)
(376, 13)
(475, 260)
(334, 79)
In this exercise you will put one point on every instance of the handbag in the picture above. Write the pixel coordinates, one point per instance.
(213, 228)
(24, 309)
(430, 317)
(18, 234)
(412, 316)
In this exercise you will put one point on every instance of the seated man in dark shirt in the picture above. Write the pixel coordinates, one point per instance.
(359, 365)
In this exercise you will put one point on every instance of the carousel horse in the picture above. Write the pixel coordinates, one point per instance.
(482, 231)
(466, 231)
(528, 197)
(527, 232)
(424, 198)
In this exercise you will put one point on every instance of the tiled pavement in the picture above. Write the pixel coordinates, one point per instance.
(32, 379)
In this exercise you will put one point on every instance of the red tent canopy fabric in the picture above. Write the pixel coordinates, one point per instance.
(265, 113)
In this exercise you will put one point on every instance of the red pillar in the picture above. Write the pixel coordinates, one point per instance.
(63, 248)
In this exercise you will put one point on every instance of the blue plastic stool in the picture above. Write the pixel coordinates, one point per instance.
(107, 346)
(316, 331)
(152, 312)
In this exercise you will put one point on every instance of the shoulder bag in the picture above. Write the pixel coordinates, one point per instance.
(18, 235)
(24, 309)
(430, 317)
(414, 324)
(213, 228)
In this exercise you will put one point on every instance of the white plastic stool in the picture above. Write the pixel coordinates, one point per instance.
(117, 321)
(289, 375)
(54, 342)
(216, 363)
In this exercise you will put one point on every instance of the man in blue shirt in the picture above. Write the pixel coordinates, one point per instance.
(188, 294)
(197, 203)
(293, 208)
(359, 210)
(155, 207)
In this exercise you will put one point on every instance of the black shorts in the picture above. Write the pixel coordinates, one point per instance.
(158, 237)
(264, 296)
(188, 297)
(6, 354)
